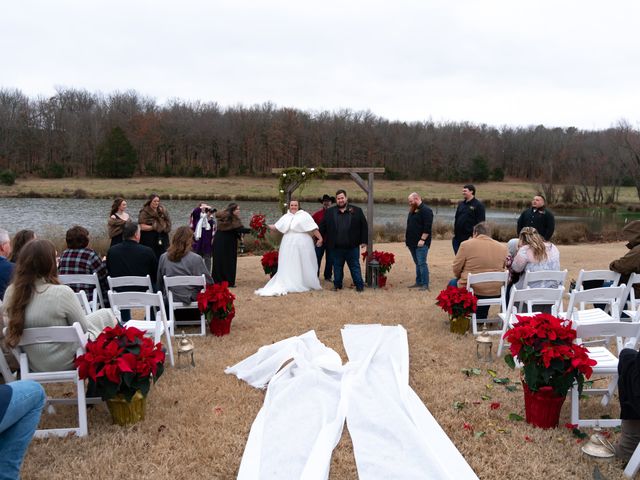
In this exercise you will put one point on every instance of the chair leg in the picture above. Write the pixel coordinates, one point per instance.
(575, 405)
(83, 429)
(613, 384)
(634, 464)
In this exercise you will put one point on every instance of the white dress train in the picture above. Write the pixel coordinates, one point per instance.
(297, 262)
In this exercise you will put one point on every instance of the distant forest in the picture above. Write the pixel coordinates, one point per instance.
(63, 136)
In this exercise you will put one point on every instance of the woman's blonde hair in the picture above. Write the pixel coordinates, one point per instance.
(530, 236)
(36, 261)
(180, 244)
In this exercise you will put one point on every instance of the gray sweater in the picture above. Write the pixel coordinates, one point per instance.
(190, 264)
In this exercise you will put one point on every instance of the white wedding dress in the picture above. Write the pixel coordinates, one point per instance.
(297, 262)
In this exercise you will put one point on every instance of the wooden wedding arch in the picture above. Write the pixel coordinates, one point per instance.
(366, 186)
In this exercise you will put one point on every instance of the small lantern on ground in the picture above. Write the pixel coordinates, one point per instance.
(484, 345)
(374, 271)
(598, 447)
(185, 348)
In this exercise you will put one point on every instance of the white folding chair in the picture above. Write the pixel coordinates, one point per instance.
(607, 365)
(198, 281)
(529, 297)
(589, 275)
(86, 279)
(72, 334)
(546, 276)
(123, 284)
(157, 327)
(500, 301)
(578, 312)
(632, 303)
(634, 464)
(84, 303)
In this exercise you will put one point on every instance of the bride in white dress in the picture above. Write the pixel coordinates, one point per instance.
(297, 262)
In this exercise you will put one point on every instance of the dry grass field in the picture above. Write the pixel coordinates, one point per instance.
(198, 419)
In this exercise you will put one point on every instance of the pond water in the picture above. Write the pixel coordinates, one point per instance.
(53, 216)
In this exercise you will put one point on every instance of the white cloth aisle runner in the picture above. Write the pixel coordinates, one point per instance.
(301, 420)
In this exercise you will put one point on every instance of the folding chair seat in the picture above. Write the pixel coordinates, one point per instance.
(500, 301)
(184, 281)
(72, 334)
(607, 365)
(529, 297)
(158, 327)
(84, 280)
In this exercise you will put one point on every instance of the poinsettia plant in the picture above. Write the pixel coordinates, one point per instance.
(458, 302)
(216, 302)
(544, 345)
(384, 259)
(258, 224)
(121, 361)
(270, 262)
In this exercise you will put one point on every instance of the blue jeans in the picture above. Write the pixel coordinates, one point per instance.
(328, 264)
(352, 257)
(18, 425)
(456, 245)
(419, 255)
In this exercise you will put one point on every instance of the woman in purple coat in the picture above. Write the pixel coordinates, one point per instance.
(203, 224)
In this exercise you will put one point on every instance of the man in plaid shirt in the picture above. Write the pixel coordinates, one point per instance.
(78, 259)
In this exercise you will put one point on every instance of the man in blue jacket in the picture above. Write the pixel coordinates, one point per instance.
(418, 238)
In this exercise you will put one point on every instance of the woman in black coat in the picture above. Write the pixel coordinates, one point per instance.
(225, 244)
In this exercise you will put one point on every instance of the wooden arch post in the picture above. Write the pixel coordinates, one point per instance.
(367, 187)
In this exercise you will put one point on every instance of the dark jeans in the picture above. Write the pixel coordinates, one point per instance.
(456, 245)
(352, 257)
(328, 263)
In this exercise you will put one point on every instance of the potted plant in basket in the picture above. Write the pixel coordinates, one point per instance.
(120, 365)
(270, 262)
(460, 304)
(385, 261)
(551, 364)
(216, 302)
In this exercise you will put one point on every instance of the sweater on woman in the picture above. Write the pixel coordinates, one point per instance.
(57, 306)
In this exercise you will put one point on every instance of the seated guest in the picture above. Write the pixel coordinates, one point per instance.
(21, 404)
(629, 395)
(179, 260)
(20, 239)
(78, 258)
(129, 258)
(6, 266)
(630, 262)
(36, 298)
(480, 254)
(535, 254)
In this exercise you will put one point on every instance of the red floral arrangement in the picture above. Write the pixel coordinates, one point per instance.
(216, 302)
(457, 302)
(258, 225)
(544, 344)
(120, 362)
(384, 259)
(270, 262)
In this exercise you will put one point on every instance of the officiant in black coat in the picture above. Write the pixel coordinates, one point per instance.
(345, 229)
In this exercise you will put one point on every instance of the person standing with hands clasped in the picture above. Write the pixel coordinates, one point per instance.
(418, 238)
(344, 227)
(469, 213)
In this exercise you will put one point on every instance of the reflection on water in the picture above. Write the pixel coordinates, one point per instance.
(51, 216)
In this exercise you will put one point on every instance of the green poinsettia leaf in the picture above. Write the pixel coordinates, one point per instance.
(459, 405)
(511, 388)
(485, 397)
(515, 417)
(508, 359)
(493, 373)
(501, 381)
(579, 433)
(471, 371)
(479, 434)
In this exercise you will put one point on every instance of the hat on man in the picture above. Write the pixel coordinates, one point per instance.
(326, 198)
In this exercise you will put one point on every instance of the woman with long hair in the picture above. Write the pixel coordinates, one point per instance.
(179, 260)
(20, 239)
(36, 298)
(155, 225)
(225, 244)
(117, 218)
(535, 254)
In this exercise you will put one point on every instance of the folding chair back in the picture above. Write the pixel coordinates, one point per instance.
(500, 301)
(529, 297)
(86, 279)
(72, 334)
(630, 295)
(198, 281)
(590, 275)
(546, 276)
(579, 299)
(158, 327)
(84, 303)
(122, 284)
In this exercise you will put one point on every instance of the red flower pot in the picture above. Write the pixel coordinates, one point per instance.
(542, 408)
(220, 327)
(382, 280)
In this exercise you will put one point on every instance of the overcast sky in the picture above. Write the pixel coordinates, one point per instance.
(511, 62)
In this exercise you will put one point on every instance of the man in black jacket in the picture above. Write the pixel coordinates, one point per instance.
(469, 213)
(418, 238)
(129, 258)
(538, 217)
(345, 228)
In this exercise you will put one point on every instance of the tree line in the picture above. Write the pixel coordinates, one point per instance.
(73, 133)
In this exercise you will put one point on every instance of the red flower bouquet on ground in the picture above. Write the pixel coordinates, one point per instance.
(385, 261)
(121, 361)
(258, 225)
(551, 361)
(270, 262)
(216, 302)
(460, 304)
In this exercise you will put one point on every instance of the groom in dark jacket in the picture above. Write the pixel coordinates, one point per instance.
(345, 228)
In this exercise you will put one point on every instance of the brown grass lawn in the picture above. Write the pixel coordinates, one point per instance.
(259, 188)
(198, 419)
